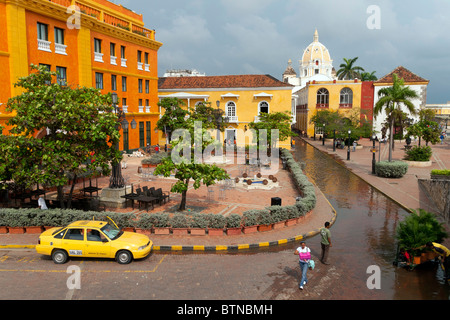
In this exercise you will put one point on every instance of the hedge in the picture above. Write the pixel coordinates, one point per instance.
(393, 169)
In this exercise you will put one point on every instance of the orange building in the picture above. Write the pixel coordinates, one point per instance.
(92, 43)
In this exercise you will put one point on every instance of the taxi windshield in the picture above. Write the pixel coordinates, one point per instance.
(111, 231)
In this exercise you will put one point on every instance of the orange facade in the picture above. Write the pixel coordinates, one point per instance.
(109, 49)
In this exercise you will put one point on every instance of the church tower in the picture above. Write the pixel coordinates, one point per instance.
(316, 62)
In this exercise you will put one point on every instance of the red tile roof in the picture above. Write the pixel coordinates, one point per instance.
(404, 73)
(236, 81)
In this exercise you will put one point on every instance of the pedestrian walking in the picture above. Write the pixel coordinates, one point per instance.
(157, 148)
(354, 145)
(304, 257)
(325, 242)
(442, 138)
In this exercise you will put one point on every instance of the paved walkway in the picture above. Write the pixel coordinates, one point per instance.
(404, 191)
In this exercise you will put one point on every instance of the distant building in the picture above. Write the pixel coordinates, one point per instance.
(315, 64)
(183, 73)
(242, 97)
(411, 80)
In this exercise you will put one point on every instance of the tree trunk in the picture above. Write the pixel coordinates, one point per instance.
(391, 140)
(183, 197)
(61, 196)
(69, 201)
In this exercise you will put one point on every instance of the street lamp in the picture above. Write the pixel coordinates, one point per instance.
(117, 181)
(373, 154)
(334, 140)
(348, 149)
(323, 135)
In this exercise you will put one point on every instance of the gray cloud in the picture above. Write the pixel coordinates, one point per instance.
(259, 36)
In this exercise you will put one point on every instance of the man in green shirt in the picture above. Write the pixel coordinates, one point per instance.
(325, 242)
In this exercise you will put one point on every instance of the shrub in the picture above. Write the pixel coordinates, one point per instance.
(419, 228)
(216, 221)
(393, 169)
(417, 153)
(155, 159)
(233, 221)
(250, 218)
(180, 220)
(160, 220)
(440, 172)
(199, 221)
(145, 221)
(265, 217)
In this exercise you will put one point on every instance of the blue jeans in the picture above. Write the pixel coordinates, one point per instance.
(304, 268)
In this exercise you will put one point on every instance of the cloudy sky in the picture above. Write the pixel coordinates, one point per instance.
(225, 37)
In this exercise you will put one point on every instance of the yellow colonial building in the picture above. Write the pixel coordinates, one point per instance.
(344, 96)
(242, 97)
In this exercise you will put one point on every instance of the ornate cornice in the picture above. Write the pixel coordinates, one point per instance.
(59, 12)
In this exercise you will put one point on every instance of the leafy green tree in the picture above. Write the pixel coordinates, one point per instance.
(348, 70)
(186, 166)
(280, 121)
(81, 132)
(390, 100)
(173, 117)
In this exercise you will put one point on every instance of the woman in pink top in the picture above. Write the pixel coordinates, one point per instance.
(304, 254)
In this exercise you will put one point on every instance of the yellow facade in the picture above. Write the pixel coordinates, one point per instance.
(312, 98)
(247, 103)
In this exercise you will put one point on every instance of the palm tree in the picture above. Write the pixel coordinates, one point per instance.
(368, 76)
(391, 99)
(348, 71)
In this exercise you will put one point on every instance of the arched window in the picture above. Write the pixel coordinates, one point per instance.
(230, 111)
(346, 98)
(322, 98)
(263, 107)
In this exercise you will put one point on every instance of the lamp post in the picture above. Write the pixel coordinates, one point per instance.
(348, 149)
(323, 135)
(373, 154)
(117, 181)
(334, 140)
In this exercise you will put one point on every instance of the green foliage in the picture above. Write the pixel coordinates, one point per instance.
(155, 158)
(180, 220)
(393, 169)
(280, 121)
(419, 228)
(216, 221)
(160, 220)
(199, 220)
(417, 153)
(440, 172)
(233, 221)
(348, 70)
(250, 218)
(80, 122)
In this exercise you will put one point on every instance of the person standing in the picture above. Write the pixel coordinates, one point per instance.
(325, 242)
(304, 256)
(444, 254)
(41, 203)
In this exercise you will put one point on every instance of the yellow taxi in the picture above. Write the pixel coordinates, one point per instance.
(93, 239)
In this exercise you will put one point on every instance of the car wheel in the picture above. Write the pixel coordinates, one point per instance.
(124, 257)
(59, 256)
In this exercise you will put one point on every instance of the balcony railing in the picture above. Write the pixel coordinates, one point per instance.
(322, 105)
(114, 60)
(107, 17)
(346, 105)
(44, 45)
(141, 109)
(123, 62)
(147, 67)
(98, 56)
(125, 109)
(140, 66)
(60, 48)
(233, 119)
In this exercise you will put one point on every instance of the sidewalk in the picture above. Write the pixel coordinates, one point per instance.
(405, 191)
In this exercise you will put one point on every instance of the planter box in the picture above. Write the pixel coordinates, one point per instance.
(265, 227)
(33, 230)
(250, 229)
(419, 164)
(3, 229)
(233, 231)
(162, 231)
(216, 232)
(279, 225)
(440, 177)
(291, 222)
(180, 231)
(147, 232)
(198, 231)
(16, 230)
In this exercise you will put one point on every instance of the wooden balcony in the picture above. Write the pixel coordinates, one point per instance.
(322, 106)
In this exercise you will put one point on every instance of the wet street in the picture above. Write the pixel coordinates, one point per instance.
(363, 236)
